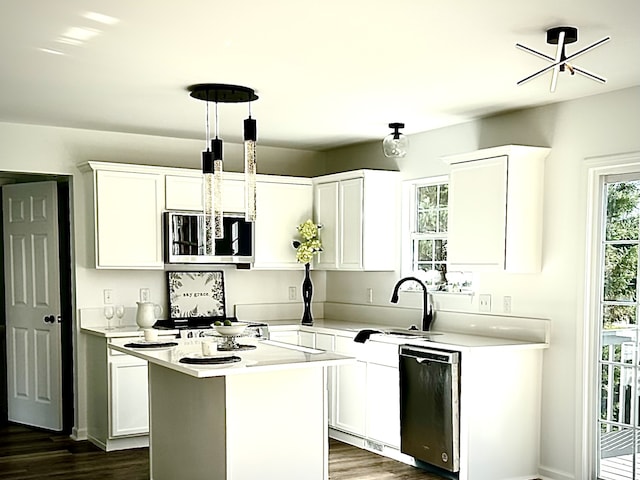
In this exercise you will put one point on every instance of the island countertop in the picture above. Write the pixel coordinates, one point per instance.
(267, 356)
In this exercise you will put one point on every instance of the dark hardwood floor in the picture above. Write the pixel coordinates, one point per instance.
(27, 453)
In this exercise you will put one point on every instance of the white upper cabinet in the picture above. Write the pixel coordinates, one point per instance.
(183, 191)
(127, 209)
(282, 203)
(495, 209)
(359, 214)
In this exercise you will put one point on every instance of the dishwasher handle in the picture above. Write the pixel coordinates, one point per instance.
(423, 355)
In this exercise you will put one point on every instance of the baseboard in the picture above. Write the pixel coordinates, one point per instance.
(78, 434)
(120, 443)
(371, 446)
(546, 473)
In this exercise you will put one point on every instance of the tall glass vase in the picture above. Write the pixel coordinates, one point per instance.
(307, 293)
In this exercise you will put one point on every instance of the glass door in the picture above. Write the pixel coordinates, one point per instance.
(618, 363)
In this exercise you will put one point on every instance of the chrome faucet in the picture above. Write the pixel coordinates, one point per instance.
(427, 305)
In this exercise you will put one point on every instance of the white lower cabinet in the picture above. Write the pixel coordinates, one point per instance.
(307, 339)
(129, 397)
(383, 404)
(285, 336)
(349, 389)
(117, 397)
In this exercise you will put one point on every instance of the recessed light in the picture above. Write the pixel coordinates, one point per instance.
(68, 41)
(80, 33)
(101, 18)
(51, 51)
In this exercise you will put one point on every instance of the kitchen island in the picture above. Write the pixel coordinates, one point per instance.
(264, 416)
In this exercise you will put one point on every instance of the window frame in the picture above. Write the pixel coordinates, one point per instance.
(409, 221)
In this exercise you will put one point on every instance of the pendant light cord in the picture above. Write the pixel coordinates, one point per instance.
(216, 127)
(207, 133)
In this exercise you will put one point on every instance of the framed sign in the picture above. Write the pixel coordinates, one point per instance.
(196, 294)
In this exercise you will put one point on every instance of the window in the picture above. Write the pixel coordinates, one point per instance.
(425, 248)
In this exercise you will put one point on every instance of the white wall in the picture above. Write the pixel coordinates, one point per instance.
(593, 126)
(50, 150)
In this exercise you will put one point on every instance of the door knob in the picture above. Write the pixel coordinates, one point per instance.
(49, 319)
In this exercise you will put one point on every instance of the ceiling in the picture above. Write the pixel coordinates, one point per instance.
(328, 72)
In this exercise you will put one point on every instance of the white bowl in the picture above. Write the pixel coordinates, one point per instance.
(229, 330)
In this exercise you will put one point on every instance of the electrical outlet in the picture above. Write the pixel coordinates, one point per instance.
(369, 295)
(108, 296)
(292, 293)
(144, 294)
(484, 303)
(506, 304)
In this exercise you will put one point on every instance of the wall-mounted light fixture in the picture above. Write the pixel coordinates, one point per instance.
(212, 161)
(395, 144)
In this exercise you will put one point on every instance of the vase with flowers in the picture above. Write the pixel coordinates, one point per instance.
(306, 248)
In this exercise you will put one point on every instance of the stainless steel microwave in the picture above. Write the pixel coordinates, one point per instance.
(184, 239)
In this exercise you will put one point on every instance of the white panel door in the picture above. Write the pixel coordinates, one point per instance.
(477, 222)
(325, 207)
(129, 398)
(281, 208)
(129, 219)
(351, 224)
(32, 298)
(383, 404)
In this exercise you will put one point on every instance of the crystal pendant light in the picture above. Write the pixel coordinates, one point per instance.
(395, 144)
(250, 137)
(216, 146)
(212, 159)
(207, 193)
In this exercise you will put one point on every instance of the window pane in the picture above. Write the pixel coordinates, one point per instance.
(440, 250)
(444, 195)
(618, 317)
(427, 197)
(621, 267)
(443, 220)
(427, 221)
(622, 210)
(425, 250)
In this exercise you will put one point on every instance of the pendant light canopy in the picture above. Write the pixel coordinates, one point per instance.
(212, 158)
(395, 144)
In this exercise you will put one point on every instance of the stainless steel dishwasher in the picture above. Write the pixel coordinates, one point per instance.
(430, 406)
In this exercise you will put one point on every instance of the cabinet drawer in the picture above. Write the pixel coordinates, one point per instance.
(380, 353)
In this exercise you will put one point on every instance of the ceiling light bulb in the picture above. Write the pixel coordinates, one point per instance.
(395, 144)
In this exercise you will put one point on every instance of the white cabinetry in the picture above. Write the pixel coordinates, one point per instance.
(282, 204)
(117, 397)
(285, 336)
(359, 215)
(127, 208)
(382, 393)
(129, 397)
(349, 389)
(495, 209)
(184, 191)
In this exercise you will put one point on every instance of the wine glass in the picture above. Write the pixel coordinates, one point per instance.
(108, 314)
(120, 315)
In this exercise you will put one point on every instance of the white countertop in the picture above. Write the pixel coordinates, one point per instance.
(438, 339)
(268, 356)
(125, 331)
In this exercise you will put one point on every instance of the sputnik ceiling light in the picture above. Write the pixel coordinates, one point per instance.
(212, 157)
(395, 144)
(561, 36)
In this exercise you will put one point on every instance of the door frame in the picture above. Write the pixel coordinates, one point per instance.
(594, 172)
(64, 192)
